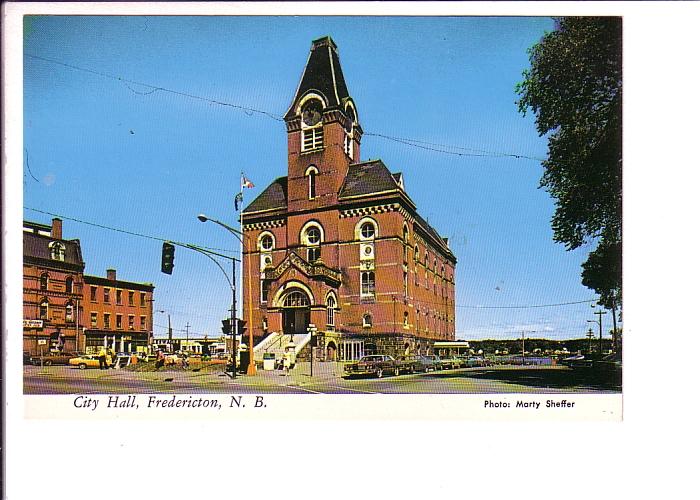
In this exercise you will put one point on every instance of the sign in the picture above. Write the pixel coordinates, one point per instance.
(33, 323)
(41, 342)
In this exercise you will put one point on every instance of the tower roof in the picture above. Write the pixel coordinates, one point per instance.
(322, 75)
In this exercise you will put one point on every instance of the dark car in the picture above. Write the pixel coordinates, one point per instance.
(26, 358)
(431, 361)
(374, 364)
(54, 358)
(415, 363)
(450, 362)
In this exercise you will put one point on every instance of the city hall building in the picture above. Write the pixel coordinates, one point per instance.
(338, 242)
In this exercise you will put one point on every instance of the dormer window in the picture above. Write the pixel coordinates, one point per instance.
(311, 125)
(58, 251)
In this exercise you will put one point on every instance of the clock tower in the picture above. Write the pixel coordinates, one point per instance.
(323, 131)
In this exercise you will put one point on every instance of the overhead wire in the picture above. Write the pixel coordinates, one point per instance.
(416, 143)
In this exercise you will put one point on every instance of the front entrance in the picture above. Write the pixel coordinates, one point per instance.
(295, 313)
(295, 320)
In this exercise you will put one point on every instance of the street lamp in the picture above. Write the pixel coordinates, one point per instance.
(239, 236)
(170, 329)
(600, 326)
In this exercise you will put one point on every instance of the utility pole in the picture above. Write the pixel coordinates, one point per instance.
(187, 337)
(590, 339)
(170, 333)
(523, 347)
(600, 325)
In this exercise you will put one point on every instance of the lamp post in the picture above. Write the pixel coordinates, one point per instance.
(240, 236)
(170, 329)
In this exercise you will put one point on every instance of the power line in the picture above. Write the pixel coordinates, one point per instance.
(132, 233)
(155, 88)
(416, 143)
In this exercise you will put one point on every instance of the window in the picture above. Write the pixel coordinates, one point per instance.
(119, 321)
(93, 294)
(311, 125)
(266, 242)
(131, 321)
(312, 238)
(69, 312)
(416, 254)
(131, 298)
(93, 319)
(58, 251)
(405, 284)
(264, 290)
(367, 321)
(143, 299)
(119, 297)
(69, 285)
(330, 311)
(405, 319)
(44, 282)
(367, 284)
(105, 321)
(143, 322)
(44, 309)
(347, 145)
(312, 184)
(367, 231)
(296, 299)
(106, 296)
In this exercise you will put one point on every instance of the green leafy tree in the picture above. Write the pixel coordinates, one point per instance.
(574, 88)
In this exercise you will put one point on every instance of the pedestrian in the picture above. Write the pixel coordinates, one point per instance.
(109, 359)
(160, 359)
(102, 357)
(185, 363)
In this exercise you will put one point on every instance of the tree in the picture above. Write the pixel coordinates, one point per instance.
(574, 88)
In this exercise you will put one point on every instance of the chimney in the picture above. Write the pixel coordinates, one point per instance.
(112, 274)
(57, 229)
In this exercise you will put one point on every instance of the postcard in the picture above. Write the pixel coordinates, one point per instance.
(254, 217)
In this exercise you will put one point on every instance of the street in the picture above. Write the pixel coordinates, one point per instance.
(327, 379)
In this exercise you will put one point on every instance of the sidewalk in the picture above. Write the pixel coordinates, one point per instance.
(300, 375)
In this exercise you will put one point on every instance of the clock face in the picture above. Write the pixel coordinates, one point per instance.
(311, 113)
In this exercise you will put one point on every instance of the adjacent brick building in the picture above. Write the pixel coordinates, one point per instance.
(52, 289)
(338, 242)
(118, 313)
(64, 309)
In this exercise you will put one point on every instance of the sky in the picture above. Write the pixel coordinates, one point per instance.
(102, 147)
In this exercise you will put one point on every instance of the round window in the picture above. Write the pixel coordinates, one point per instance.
(367, 230)
(266, 242)
(313, 236)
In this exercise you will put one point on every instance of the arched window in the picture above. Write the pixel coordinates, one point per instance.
(44, 309)
(416, 253)
(69, 312)
(266, 242)
(330, 311)
(311, 173)
(44, 282)
(312, 237)
(296, 298)
(405, 319)
(367, 231)
(367, 284)
(69, 285)
(367, 320)
(311, 124)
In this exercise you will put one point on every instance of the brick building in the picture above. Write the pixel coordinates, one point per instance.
(52, 289)
(118, 313)
(338, 242)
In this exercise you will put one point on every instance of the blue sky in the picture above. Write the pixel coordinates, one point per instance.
(125, 156)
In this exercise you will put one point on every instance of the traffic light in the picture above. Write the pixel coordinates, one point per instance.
(241, 327)
(226, 326)
(166, 262)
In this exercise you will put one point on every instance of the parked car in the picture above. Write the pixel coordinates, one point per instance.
(432, 361)
(374, 364)
(26, 358)
(53, 358)
(411, 364)
(85, 361)
(450, 362)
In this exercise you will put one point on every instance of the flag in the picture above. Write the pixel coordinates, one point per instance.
(245, 183)
(238, 200)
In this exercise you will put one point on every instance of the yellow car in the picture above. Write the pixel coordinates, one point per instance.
(85, 361)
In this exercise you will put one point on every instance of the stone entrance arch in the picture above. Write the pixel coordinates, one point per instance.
(295, 304)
